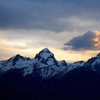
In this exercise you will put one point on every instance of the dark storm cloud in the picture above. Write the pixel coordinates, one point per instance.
(44, 14)
(84, 42)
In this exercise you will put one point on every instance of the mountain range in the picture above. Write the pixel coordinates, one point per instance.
(43, 77)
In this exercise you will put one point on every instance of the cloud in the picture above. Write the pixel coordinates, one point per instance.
(37, 14)
(86, 42)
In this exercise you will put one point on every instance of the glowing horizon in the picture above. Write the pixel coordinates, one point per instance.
(28, 26)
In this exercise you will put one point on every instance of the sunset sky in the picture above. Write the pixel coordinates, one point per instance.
(69, 28)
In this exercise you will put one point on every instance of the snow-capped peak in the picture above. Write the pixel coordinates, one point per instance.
(45, 54)
(45, 50)
(17, 57)
(46, 64)
(94, 63)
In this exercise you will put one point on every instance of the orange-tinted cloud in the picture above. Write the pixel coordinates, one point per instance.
(96, 39)
(87, 43)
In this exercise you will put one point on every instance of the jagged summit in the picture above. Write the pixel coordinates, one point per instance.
(45, 50)
(45, 54)
(17, 57)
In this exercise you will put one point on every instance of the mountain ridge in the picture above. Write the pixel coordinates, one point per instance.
(43, 77)
(46, 65)
(44, 62)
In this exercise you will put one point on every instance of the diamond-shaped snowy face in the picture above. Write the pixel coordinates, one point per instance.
(45, 54)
